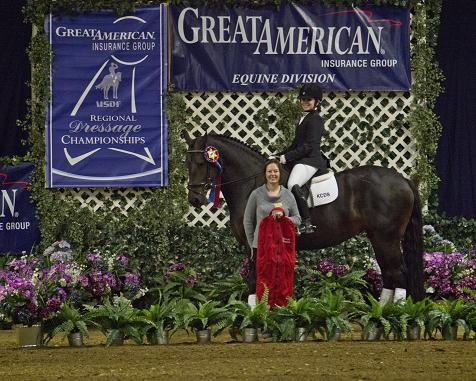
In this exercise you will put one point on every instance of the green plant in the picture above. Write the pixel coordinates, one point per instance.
(202, 316)
(160, 319)
(180, 282)
(416, 314)
(372, 316)
(321, 283)
(242, 315)
(446, 315)
(332, 315)
(68, 320)
(296, 314)
(226, 290)
(117, 320)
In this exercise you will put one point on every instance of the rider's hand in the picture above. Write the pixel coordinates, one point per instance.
(282, 159)
(277, 214)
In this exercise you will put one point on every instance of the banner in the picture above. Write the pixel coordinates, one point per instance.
(18, 225)
(106, 123)
(270, 49)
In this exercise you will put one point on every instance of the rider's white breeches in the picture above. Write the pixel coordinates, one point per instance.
(300, 175)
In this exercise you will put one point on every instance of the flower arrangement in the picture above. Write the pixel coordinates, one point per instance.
(330, 277)
(450, 275)
(33, 289)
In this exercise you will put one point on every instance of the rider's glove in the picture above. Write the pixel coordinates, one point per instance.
(282, 159)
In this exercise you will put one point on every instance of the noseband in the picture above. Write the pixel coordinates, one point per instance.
(207, 184)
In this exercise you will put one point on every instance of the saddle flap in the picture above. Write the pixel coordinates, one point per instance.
(323, 191)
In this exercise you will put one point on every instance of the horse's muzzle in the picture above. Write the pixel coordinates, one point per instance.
(196, 199)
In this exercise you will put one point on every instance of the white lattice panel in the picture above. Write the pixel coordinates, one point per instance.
(234, 113)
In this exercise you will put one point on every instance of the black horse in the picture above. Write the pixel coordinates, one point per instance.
(375, 200)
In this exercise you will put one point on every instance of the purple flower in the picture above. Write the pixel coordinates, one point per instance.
(190, 280)
(325, 266)
(177, 267)
(122, 260)
(375, 280)
(245, 268)
(340, 270)
(131, 279)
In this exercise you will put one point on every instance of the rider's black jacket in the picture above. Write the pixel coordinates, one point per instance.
(306, 146)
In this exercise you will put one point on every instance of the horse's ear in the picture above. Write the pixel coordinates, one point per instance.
(185, 135)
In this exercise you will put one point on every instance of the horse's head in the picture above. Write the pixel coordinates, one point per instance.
(200, 172)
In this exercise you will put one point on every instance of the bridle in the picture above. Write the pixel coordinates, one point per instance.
(208, 183)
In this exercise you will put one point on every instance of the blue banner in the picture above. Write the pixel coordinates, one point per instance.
(18, 225)
(106, 123)
(271, 49)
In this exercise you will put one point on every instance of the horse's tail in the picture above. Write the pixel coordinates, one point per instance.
(413, 249)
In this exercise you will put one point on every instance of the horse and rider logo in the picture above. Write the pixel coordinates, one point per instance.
(110, 80)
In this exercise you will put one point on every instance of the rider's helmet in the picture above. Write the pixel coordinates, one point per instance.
(310, 90)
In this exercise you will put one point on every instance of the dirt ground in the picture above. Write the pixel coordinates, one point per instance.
(183, 359)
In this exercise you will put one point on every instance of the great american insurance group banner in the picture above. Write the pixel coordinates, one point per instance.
(18, 225)
(272, 49)
(106, 122)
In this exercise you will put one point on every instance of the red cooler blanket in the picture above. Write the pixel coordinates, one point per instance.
(275, 259)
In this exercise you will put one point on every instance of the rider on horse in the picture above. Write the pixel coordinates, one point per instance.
(304, 156)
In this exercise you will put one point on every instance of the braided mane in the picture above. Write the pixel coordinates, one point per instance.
(239, 144)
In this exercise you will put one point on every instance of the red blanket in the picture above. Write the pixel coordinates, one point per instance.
(275, 259)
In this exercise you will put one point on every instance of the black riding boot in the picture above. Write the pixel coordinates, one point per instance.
(306, 227)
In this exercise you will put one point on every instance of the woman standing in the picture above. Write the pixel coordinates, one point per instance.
(304, 156)
(260, 203)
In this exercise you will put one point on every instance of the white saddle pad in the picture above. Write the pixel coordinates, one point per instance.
(323, 190)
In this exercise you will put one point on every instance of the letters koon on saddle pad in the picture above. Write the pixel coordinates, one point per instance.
(323, 190)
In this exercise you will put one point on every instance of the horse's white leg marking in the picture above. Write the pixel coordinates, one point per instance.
(386, 296)
(400, 294)
(252, 300)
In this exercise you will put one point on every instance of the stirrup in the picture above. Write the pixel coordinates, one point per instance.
(306, 228)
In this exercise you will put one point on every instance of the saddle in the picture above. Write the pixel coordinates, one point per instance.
(321, 189)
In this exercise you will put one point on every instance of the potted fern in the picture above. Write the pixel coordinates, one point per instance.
(446, 316)
(201, 318)
(331, 315)
(71, 323)
(295, 320)
(118, 321)
(246, 320)
(416, 315)
(373, 319)
(160, 320)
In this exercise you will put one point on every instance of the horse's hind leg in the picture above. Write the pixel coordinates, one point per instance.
(390, 259)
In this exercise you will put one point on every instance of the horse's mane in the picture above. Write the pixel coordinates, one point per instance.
(238, 143)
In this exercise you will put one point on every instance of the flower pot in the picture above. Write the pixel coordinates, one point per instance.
(450, 333)
(163, 338)
(413, 332)
(118, 341)
(204, 336)
(250, 335)
(301, 334)
(75, 339)
(29, 337)
(335, 336)
(374, 334)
